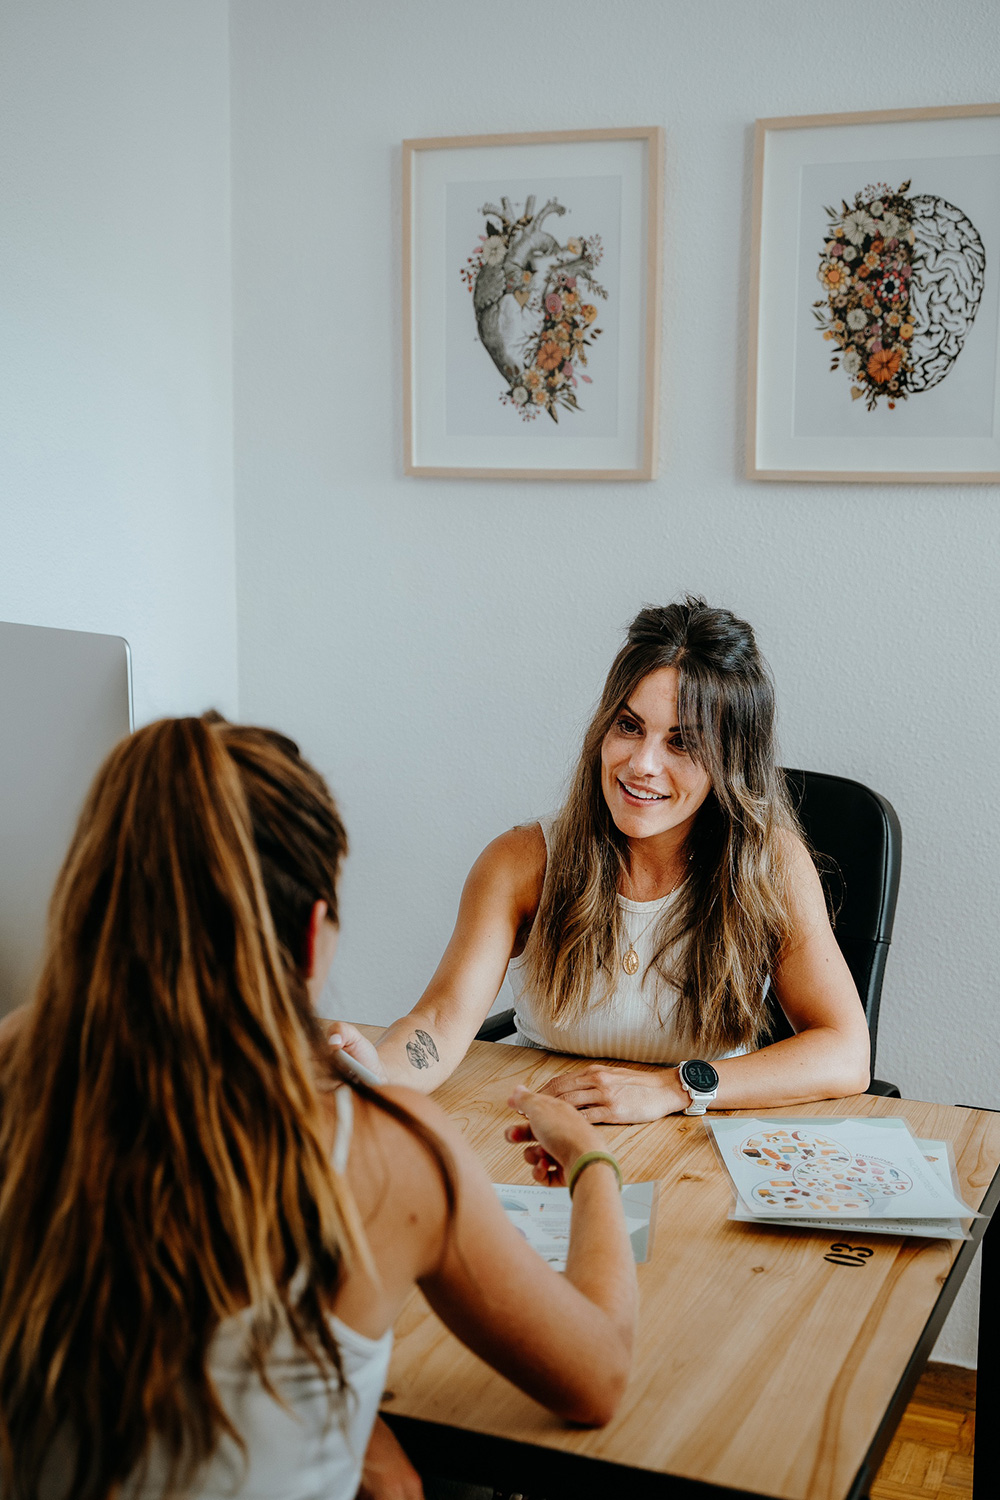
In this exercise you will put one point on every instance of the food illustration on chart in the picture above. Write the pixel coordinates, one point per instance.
(803, 1171)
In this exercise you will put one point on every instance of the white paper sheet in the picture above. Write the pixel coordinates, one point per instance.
(542, 1215)
(832, 1169)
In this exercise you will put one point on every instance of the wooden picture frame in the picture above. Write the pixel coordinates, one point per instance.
(888, 370)
(529, 354)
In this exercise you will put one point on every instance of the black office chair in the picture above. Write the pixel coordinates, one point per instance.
(855, 835)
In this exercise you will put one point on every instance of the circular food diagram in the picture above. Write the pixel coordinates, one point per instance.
(809, 1173)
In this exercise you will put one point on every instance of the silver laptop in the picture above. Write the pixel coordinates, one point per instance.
(65, 699)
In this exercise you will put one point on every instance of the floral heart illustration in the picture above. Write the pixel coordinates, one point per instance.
(904, 278)
(531, 302)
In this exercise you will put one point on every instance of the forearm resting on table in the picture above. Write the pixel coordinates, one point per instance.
(819, 1063)
(420, 1051)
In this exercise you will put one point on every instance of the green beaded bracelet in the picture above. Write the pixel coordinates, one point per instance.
(585, 1160)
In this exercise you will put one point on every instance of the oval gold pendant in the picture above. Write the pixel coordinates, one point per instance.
(630, 962)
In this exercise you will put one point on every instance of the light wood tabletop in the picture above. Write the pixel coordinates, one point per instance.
(762, 1365)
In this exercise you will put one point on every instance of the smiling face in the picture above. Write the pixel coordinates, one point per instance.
(651, 784)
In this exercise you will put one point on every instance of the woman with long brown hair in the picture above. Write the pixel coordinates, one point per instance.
(204, 1236)
(647, 921)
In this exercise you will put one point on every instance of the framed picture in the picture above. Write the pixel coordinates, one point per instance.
(875, 307)
(531, 304)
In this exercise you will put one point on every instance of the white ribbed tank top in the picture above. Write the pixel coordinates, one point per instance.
(636, 1024)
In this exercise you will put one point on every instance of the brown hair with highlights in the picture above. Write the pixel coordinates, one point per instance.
(162, 1156)
(732, 918)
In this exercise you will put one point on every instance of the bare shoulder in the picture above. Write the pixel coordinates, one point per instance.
(519, 848)
(805, 892)
(405, 1163)
(410, 1139)
(513, 864)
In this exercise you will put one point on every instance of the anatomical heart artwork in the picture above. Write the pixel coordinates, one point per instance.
(876, 315)
(531, 304)
(536, 304)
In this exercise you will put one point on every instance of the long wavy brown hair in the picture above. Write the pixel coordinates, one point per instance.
(717, 944)
(162, 1156)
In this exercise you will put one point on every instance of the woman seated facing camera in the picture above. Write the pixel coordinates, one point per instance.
(205, 1236)
(647, 921)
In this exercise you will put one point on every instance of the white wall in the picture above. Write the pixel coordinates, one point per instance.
(437, 646)
(116, 506)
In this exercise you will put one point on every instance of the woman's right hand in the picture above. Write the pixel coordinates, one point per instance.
(342, 1034)
(559, 1133)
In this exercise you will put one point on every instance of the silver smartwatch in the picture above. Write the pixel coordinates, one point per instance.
(702, 1083)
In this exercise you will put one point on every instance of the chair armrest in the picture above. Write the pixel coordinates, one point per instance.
(494, 1027)
(887, 1090)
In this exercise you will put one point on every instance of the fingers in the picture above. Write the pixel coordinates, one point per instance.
(582, 1098)
(565, 1084)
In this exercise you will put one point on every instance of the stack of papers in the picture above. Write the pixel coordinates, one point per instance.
(867, 1175)
(542, 1215)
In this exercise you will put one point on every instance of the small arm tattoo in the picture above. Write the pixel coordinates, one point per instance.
(421, 1050)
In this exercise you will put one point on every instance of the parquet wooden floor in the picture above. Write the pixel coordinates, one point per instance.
(930, 1458)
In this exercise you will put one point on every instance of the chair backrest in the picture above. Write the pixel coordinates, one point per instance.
(855, 835)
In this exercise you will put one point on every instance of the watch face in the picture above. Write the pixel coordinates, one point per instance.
(700, 1076)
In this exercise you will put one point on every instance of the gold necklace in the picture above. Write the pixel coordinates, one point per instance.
(630, 959)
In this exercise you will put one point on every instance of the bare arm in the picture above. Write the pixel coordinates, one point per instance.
(827, 1057)
(498, 904)
(566, 1340)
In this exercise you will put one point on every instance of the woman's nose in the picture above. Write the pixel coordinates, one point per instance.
(645, 759)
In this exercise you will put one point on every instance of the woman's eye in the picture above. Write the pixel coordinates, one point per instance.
(627, 725)
(677, 743)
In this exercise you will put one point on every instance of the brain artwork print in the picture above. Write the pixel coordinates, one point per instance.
(803, 1172)
(903, 276)
(535, 304)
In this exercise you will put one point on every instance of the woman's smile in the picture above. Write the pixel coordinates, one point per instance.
(639, 794)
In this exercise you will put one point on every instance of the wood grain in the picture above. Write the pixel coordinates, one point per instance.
(767, 1367)
(930, 1458)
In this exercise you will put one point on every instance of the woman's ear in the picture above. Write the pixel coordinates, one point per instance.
(317, 917)
(320, 946)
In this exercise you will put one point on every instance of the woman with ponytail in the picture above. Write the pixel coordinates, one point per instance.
(205, 1236)
(646, 922)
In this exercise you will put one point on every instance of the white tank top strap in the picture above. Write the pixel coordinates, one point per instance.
(344, 1104)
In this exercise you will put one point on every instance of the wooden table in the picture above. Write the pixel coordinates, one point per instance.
(767, 1363)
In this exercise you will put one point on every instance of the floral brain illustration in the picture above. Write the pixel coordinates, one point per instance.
(803, 1172)
(903, 277)
(534, 307)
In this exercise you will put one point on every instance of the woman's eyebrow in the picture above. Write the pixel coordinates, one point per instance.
(673, 729)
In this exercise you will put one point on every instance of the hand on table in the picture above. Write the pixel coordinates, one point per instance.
(558, 1133)
(615, 1094)
(343, 1034)
(388, 1473)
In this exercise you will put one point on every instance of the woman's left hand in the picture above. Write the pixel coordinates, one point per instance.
(613, 1094)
